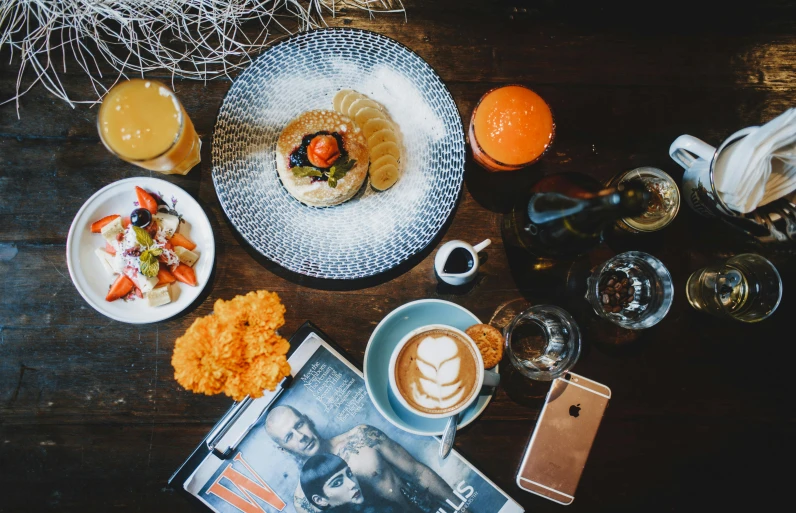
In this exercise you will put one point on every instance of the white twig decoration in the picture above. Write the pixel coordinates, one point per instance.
(197, 39)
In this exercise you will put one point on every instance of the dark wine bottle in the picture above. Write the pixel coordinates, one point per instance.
(567, 214)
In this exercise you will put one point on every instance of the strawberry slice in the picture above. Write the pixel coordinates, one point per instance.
(145, 200)
(184, 274)
(110, 249)
(96, 226)
(181, 240)
(120, 288)
(125, 222)
(165, 277)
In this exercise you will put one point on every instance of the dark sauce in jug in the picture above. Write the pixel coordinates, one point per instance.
(459, 261)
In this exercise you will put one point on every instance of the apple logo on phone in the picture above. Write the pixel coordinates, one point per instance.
(574, 410)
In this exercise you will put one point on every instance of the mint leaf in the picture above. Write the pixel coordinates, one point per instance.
(303, 171)
(149, 265)
(155, 251)
(142, 237)
(333, 174)
(338, 171)
(345, 167)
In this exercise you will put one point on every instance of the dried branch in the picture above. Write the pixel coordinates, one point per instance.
(196, 39)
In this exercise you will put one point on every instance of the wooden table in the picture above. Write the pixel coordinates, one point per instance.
(702, 413)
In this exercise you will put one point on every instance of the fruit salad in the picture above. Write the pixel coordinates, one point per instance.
(145, 251)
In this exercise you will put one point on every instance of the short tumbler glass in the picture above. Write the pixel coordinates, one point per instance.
(633, 290)
(543, 342)
(746, 287)
(664, 200)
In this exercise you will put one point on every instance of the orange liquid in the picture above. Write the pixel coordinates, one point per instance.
(143, 122)
(512, 127)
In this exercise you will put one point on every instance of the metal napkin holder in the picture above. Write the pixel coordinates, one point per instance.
(773, 224)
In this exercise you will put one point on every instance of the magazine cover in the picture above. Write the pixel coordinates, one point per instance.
(321, 446)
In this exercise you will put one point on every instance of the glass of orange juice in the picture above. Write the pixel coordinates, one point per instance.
(142, 122)
(511, 128)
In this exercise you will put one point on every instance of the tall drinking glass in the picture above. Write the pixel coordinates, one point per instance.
(542, 342)
(746, 287)
(142, 122)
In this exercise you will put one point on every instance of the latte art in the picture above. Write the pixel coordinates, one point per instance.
(436, 371)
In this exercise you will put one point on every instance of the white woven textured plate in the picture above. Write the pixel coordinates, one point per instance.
(374, 231)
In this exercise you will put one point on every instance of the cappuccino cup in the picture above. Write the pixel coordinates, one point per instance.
(436, 371)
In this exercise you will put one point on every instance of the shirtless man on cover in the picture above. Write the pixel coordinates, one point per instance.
(377, 461)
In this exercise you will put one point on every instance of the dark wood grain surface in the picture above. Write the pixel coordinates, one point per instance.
(702, 414)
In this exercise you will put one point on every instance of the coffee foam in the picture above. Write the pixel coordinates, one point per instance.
(436, 371)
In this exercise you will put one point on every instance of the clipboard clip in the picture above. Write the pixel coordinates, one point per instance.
(235, 413)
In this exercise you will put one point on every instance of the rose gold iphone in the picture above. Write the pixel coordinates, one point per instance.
(560, 444)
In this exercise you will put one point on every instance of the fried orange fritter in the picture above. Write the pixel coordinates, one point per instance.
(235, 350)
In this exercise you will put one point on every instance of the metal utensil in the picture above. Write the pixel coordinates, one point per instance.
(446, 443)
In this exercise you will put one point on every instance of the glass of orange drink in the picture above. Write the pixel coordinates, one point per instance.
(511, 128)
(142, 122)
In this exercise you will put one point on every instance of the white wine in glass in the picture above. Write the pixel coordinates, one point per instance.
(746, 287)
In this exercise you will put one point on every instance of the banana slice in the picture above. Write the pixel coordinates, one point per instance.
(366, 114)
(385, 148)
(347, 100)
(383, 161)
(376, 125)
(384, 177)
(385, 135)
(337, 102)
(362, 103)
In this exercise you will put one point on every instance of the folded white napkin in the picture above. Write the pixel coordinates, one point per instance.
(760, 167)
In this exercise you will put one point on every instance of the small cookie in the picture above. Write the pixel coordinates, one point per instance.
(489, 341)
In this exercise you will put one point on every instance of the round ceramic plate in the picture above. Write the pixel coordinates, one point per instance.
(386, 336)
(91, 279)
(374, 231)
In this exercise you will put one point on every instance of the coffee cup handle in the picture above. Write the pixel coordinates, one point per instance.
(491, 378)
(683, 149)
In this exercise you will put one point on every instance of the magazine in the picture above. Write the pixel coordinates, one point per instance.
(317, 444)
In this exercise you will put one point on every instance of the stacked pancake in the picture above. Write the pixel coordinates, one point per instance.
(323, 157)
(317, 179)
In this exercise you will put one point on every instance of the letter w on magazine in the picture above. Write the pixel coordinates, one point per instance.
(319, 445)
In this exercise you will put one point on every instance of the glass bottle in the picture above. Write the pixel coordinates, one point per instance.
(567, 213)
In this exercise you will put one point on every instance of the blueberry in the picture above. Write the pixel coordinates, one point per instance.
(141, 217)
